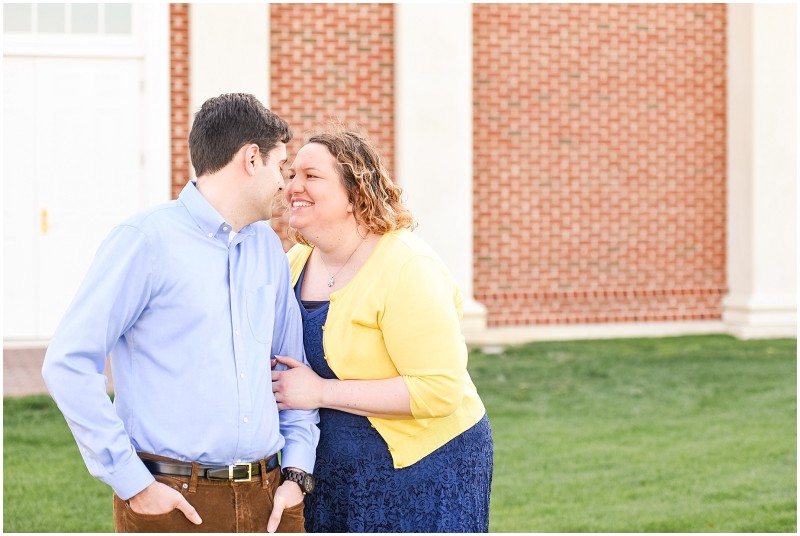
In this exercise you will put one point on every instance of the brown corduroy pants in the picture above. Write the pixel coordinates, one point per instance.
(223, 506)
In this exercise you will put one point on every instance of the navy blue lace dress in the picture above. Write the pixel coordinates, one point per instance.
(359, 490)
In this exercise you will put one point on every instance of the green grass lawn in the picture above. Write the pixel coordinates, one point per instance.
(684, 434)
(46, 487)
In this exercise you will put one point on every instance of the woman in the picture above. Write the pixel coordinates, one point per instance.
(405, 444)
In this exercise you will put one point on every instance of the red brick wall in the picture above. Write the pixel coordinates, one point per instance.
(180, 114)
(333, 60)
(599, 135)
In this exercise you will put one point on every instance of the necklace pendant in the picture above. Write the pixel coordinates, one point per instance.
(330, 281)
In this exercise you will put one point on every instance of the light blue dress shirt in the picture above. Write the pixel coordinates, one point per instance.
(191, 323)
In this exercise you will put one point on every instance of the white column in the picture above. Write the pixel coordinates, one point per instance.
(762, 172)
(155, 187)
(229, 51)
(433, 131)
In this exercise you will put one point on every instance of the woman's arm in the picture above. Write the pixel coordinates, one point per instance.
(299, 387)
(422, 333)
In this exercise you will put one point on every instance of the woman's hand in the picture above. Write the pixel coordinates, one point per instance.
(298, 387)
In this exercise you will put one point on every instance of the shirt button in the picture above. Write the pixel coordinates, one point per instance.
(236, 332)
(241, 375)
(211, 235)
(244, 419)
(224, 228)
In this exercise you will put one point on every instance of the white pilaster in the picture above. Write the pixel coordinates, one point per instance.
(155, 187)
(433, 145)
(229, 51)
(762, 172)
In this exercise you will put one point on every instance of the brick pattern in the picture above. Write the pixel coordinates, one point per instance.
(599, 135)
(180, 114)
(333, 61)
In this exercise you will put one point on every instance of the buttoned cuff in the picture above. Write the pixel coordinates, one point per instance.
(297, 456)
(130, 479)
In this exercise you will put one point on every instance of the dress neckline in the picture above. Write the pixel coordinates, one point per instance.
(305, 313)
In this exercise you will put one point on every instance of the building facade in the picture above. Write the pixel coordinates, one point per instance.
(585, 170)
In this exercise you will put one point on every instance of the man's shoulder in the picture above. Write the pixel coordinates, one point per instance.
(153, 216)
(265, 233)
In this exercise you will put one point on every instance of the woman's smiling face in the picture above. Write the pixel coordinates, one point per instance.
(316, 195)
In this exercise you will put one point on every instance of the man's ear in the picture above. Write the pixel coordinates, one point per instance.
(249, 155)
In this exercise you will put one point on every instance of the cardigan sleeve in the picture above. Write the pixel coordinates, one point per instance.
(422, 333)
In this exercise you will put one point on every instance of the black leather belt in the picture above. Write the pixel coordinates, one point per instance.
(237, 472)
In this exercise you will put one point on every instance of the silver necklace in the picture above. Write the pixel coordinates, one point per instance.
(330, 277)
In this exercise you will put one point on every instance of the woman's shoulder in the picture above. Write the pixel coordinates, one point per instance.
(405, 242)
(299, 251)
(416, 265)
(404, 254)
(404, 245)
(298, 255)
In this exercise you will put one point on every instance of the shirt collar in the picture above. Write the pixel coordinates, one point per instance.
(210, 222)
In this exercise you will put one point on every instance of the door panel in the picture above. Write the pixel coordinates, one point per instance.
(82, 160)
(20, 207)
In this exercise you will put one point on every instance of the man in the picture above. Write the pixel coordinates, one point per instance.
(192, 299)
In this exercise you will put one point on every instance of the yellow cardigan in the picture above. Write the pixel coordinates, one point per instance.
(399, 316)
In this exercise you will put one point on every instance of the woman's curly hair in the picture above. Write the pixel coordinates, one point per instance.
(377, 205)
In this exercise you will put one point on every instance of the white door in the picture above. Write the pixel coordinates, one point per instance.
(72, 170)
(85, 144)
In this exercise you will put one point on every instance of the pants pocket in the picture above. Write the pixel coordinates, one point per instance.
(293, 518)
(126, 520)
